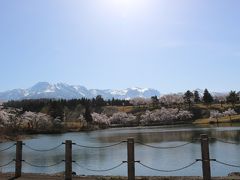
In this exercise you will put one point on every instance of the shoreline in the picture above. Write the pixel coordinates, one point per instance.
(30, 176)
(23, 135)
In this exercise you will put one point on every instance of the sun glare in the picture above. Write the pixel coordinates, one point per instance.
(123, 3)
(126, 7)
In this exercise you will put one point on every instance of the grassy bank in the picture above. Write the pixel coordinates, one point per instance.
(225, 119)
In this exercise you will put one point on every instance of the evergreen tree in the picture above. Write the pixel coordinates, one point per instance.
(188, 98)
(87, 115)
(207, 97)
(56, 110)
(196, 97)
(99, 101)
(232, 98)
(155, 101)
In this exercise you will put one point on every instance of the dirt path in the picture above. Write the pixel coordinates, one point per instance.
(9, 176)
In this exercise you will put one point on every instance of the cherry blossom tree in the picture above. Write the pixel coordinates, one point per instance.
(101, 119)
(123, 118)
(214, 114)
(184, 115)
(37, 121)
(147, 118)
(172, 99)
(164, 115)
(139, 101)
(230, 112)
(14, 119)
(221, 99)
(3, 118)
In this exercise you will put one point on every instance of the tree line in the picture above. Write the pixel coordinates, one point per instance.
(169, 108)
(189, 98)
(57, 107)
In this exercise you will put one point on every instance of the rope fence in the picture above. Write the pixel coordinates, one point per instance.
(42, 166)
(9, 147)
(206, 168)
(43, 150)
(227, 164)
(4, 165)
(166, 147)
(99, 170)
(173, 170)
(99, 147)
(224, 141)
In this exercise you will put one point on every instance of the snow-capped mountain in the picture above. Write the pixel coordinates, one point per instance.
(201, 92)
(66, 91)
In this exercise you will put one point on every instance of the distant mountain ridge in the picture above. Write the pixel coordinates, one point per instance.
(66, 91)
(201, 92)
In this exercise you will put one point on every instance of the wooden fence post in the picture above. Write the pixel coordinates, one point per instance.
(68, 160)
(18, 160)
(131, 159)
(205, 157)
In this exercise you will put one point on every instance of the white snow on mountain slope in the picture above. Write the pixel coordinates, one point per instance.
(66, 91)
(118, 92)
(201, 92)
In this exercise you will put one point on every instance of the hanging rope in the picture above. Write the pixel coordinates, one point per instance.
(99, 147)
(224, 141)
(1, 150)
(43, 150)
(6, 164)
(167, 147)
(173, 170)
(42, 166)
(98, 170)
(227, 164)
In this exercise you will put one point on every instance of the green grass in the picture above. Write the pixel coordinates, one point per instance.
(224, 119)
(213, 106)
(73, 125)
(126, 109)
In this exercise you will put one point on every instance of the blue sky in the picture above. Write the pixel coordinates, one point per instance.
(170, 45)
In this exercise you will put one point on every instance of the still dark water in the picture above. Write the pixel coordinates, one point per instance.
(166, 159)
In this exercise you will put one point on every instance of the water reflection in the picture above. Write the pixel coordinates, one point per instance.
(109, 157)
(168, 134)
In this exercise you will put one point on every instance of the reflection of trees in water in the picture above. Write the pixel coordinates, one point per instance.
(98, 156)
(233, 136)
(172, 135)
(43, 159)
(154, 137)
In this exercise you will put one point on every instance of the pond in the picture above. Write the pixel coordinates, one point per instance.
(88, 159)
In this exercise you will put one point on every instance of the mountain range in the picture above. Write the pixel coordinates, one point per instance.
(66, 91)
